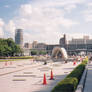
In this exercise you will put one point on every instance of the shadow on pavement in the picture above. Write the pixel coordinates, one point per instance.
(68, 68)
(51, 84)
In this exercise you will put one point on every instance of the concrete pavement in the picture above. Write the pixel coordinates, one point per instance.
(31, 79)
(88, 83)
(17, 66)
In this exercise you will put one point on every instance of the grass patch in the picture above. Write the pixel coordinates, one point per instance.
(6, 59)
(21, 57)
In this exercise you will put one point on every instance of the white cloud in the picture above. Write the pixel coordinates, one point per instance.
(88, 13)
(89, 5)
(10, 28)
(26, 10)
(68, 23)
(45, 37)
(69, 8)
(58, 3)
(77, 35)
(1, 27)
(1, 22)
(1, 32)
(44, 19)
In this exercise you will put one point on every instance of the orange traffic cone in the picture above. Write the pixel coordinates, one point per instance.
(5, 63)
(44, 80)
(74, 63)
(51, 77)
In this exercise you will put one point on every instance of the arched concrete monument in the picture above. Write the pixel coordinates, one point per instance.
(59, 53)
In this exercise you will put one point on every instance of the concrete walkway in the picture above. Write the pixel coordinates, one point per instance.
(17, 66)
(29, 75)
(88, 83)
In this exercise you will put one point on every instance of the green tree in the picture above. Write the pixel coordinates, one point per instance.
(2, 50)
(8, 47)
(42, 53)
(34, 52)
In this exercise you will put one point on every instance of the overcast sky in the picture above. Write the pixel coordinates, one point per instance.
(46, 20)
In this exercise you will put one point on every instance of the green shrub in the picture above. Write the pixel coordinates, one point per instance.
(77, 72)
(34, 52)
(66, 85)
(85, 61)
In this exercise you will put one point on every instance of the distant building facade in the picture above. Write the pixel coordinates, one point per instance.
(78, 45)
(28, 45)
(41, 46)
(63, 42)
(34, 44)
(19, 37)
(74, 46)
(38, 46)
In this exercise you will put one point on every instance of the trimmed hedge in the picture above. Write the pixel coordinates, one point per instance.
(66, 85)
(77, 72)
(69, 84)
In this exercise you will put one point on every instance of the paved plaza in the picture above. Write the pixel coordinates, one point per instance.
(27, 75)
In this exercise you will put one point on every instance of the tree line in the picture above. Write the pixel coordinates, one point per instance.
(36, 52)
(8, 47)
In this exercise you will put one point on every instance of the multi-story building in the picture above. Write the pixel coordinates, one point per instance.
(78, 45)
(28, 45)
(34, 44)
(19, 37)
(41, 46)
(63, 41)
(74, 46)
(38, 46)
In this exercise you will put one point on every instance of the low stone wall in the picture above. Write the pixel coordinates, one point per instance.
(81, 85)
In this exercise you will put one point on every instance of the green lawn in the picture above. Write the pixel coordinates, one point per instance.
(6, 60)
